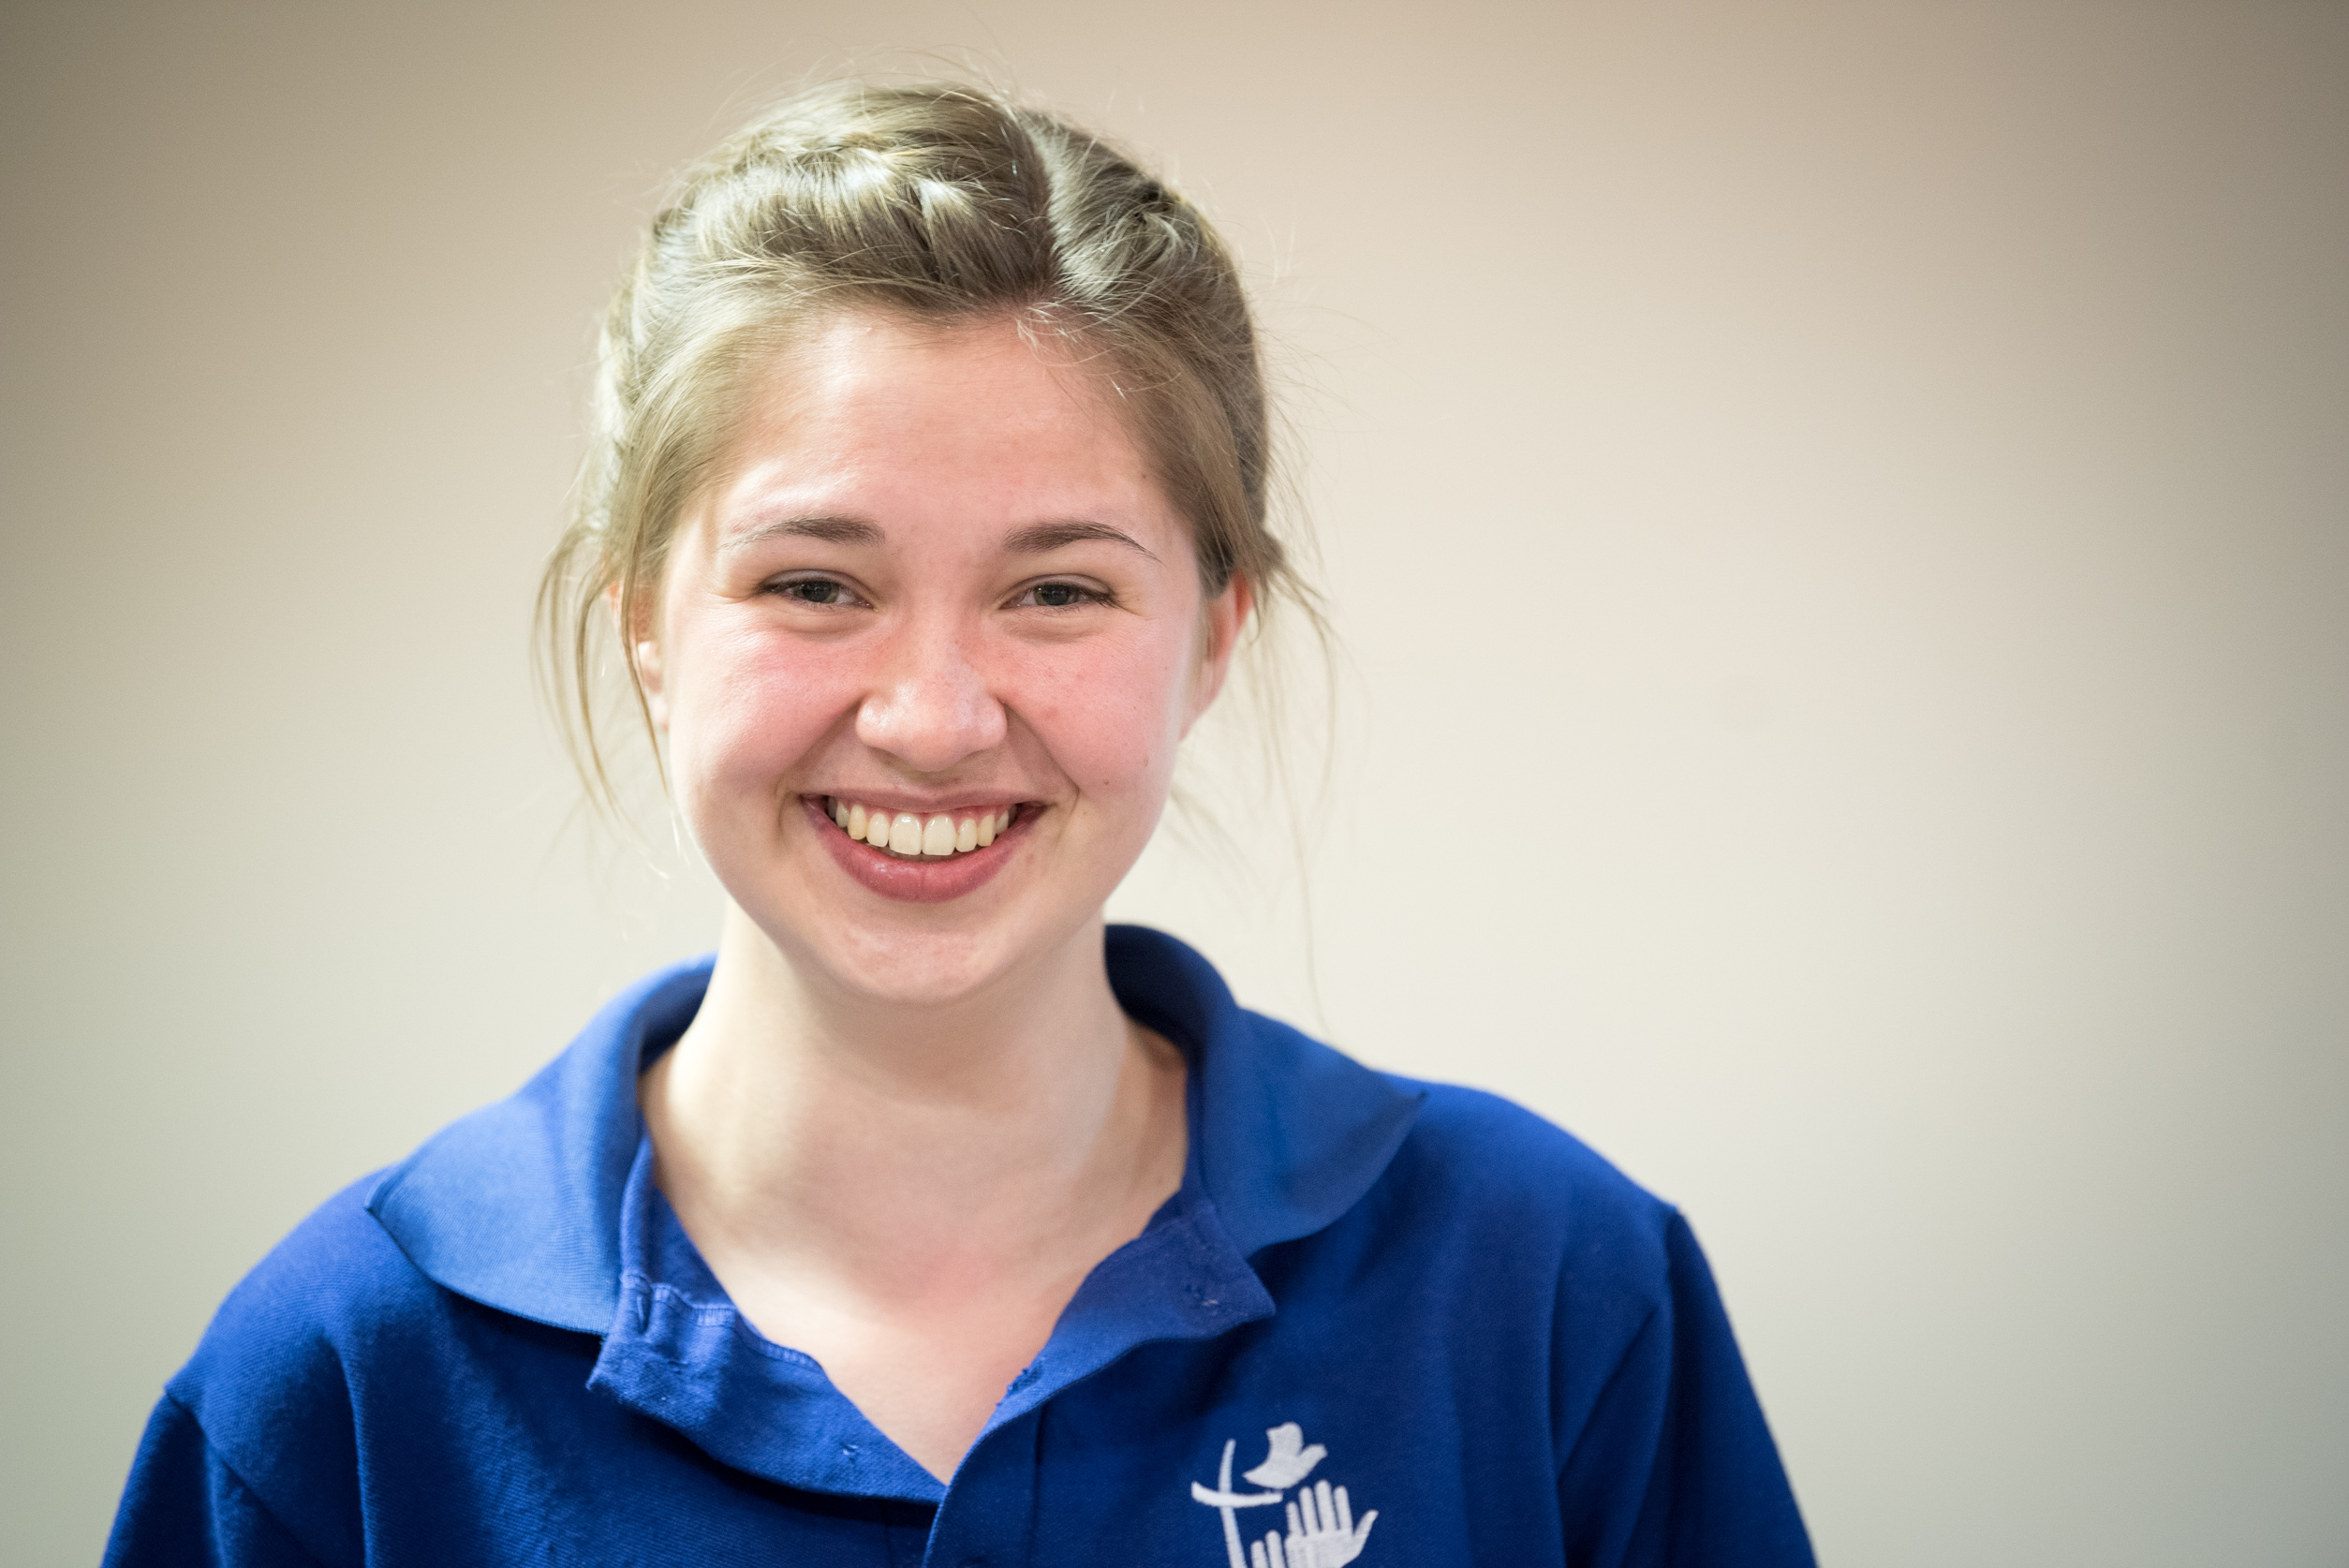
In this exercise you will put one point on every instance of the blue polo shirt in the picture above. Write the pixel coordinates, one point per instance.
(1383, 1322)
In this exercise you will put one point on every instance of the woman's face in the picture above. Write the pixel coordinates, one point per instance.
(934, 583)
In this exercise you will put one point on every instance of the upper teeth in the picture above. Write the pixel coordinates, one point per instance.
(903, 833)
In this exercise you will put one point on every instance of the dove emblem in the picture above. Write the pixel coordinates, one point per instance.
(1322, 1529)
(1288, 1460)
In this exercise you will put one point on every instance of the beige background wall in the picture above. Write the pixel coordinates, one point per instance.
(1868, 484)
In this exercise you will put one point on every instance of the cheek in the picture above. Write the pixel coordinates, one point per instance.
(1110, 713)
(745, 707)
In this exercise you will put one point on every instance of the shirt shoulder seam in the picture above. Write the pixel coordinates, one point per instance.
(236, 1476)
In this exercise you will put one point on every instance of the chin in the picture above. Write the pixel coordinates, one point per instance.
(912, 966)
(934, 952)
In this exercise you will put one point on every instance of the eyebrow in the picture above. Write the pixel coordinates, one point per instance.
(1036, 539)
(1039, 538)
(832, 530)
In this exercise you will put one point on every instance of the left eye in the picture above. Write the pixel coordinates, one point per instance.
(1059, 596)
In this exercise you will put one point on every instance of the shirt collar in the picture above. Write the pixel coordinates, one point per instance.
(520, 1204)
(678, 1351)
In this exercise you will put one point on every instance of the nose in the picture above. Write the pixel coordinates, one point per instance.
(930, 707)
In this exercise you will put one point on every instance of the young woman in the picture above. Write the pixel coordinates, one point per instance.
(931, 1221)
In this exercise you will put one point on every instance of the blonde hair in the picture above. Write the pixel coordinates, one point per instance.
(945, 204)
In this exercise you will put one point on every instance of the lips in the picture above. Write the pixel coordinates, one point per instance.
(919, 875)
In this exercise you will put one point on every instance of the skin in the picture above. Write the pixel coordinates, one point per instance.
(934, 571)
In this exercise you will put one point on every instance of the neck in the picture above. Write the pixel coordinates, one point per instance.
(903, 1151)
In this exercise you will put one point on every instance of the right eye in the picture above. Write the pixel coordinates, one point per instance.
(827, 592)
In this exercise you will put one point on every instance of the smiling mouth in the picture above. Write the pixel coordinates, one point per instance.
(909, 835)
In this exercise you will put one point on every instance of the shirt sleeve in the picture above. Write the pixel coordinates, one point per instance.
(1676, 1467)
(185, 1508)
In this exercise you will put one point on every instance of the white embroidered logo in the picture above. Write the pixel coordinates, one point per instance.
(1321, 1531)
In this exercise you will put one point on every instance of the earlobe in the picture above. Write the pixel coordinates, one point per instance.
(1225, 615)
(644, 663)
(648, 682)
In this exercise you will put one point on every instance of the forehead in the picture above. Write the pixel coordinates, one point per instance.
(898, 421)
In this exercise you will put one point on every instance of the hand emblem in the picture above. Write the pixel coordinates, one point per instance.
(1322, 1529)
(1322, 1533)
